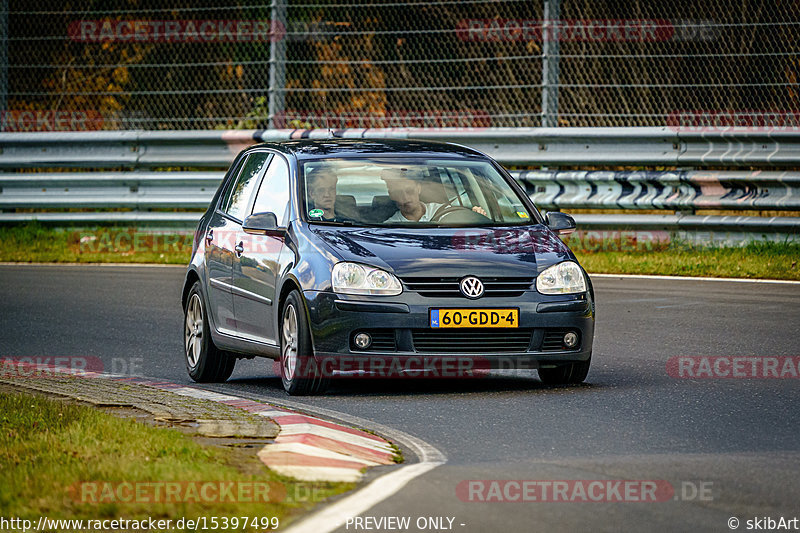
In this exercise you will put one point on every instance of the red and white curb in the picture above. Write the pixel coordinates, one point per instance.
(312, 449)
(306, 448)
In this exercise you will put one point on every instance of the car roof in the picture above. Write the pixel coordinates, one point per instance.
(325, 148)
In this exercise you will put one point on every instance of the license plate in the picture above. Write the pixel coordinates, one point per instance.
(474, 318)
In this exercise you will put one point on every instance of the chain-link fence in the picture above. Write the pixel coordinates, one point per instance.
(134, 64)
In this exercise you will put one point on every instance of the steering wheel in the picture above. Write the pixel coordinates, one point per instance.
(450, 201)
(466, 214)
(442, 209)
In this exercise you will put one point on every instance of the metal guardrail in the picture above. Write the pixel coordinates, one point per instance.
(134, 190)
(671, 190)
(510, 146)
(136, 186)
(686, 190)
(550, 190)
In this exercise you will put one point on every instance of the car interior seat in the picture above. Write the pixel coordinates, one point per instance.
(382, 208)
(346, 207)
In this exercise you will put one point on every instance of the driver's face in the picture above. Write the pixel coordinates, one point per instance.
(323, 191)
(405, 193)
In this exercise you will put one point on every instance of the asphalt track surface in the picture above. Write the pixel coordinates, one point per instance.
(728, 447)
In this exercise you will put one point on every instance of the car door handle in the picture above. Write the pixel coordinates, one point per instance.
(239, 249)
(210, 236)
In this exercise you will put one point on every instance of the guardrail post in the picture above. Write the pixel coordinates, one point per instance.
(550, 59)
(277, 61)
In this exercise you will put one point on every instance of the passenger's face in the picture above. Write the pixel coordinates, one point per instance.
(323, 191)
(405, 193)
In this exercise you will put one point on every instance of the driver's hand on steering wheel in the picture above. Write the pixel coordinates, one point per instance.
(479, 209)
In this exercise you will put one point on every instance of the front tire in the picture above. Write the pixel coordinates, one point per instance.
(300, 374)
(568, 374)
(205, 363)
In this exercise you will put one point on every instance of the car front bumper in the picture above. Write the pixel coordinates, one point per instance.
(335, 319)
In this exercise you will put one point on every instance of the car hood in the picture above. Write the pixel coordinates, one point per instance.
(512, 251)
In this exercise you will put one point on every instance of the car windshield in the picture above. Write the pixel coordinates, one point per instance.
(410, 192)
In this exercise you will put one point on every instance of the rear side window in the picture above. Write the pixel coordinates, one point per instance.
(239, 194)
(273, 195)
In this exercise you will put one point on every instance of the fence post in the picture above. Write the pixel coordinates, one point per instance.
(277, 61)
(3, 60)
(550, 53)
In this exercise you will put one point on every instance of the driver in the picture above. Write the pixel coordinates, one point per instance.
(322, 194)
(404, 189)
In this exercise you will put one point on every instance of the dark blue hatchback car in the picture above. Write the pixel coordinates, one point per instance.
(386, 258)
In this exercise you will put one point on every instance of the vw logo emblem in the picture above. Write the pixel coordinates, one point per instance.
(471, 287)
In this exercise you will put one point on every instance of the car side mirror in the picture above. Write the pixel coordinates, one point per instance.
(560, 223)
(262, 224)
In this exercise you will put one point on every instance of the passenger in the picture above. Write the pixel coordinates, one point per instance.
(404, 189)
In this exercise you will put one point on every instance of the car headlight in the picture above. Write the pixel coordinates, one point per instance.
(563, 278)
(353, 278)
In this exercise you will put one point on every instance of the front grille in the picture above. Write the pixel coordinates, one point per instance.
(471, 340)
(383, 340)
(554, 340)
(449, 287)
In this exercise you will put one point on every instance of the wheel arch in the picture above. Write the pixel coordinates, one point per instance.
(290, 284)
(192, 277)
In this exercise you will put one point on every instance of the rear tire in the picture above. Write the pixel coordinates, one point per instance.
(205, 363)
(300, 374)
(569, 374)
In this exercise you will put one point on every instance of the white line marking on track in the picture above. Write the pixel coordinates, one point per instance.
(333, 516)
(127, 265)
(689, 278)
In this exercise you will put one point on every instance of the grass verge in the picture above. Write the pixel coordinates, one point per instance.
(766, 260)
(37, 243)
(49, 448)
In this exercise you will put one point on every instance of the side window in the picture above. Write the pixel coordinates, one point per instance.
(236, 200)
(273, 195)
(230, 176)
